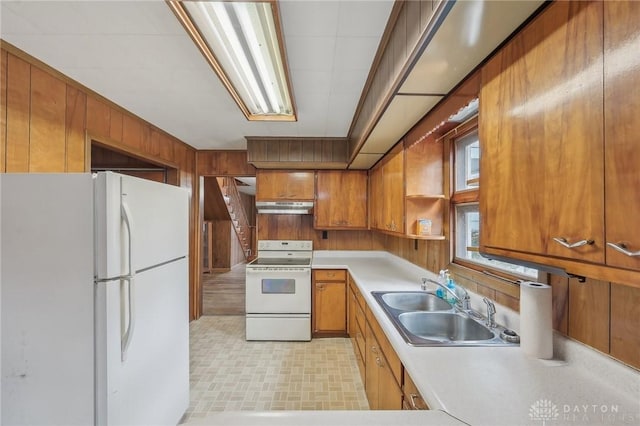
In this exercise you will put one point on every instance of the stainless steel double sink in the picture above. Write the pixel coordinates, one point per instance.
(424, 319)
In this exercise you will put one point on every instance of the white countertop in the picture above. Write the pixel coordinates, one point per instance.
(327, 418)
(497, 385)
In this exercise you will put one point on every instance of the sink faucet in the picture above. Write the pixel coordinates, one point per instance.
(491, 313)
(462, 302)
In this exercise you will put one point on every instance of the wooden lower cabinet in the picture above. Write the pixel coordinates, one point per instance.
(356, 321)
(411, 398)
(380, 367)
(382, 389)
(329, 313)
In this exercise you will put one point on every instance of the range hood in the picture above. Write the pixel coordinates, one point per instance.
(285, 207)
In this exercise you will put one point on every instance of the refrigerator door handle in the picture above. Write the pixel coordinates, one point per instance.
(126, 337)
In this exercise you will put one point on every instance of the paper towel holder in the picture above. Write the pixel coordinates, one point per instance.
(580, 278)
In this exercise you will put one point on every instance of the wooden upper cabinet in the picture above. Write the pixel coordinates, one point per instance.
(376, 199)
(541, 139)
(274, 185)
(622, 131)
(393, 191)
(341, 199)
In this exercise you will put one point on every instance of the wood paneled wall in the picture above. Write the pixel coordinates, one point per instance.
(300, 227)
(48, 122)
(223, 163)
(600, 314)
(297, 153)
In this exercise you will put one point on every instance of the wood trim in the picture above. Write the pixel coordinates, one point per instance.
(466, 196)
(128, 150)
(463, 129)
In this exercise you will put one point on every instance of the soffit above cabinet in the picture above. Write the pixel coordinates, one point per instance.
(467, 33)
(364, 161)
(401, 114)
(471, 31)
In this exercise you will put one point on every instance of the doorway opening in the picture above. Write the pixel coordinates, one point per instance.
(228, 242)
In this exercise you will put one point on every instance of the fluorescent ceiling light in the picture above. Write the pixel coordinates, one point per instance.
(242, 43)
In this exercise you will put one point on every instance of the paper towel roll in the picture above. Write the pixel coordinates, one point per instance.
(536, 327)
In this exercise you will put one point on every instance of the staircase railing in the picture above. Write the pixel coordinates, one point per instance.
(237, 213)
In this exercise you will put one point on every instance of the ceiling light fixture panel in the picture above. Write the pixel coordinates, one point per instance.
(243, 44)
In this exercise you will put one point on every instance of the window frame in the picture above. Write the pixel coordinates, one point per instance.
(467, 196)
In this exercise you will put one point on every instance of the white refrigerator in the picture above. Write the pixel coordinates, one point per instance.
(94, 300)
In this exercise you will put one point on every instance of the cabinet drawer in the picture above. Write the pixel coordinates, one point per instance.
(330, 274)
(360, 318)
(359, 296)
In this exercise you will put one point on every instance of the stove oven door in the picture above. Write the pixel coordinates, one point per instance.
(278, 290)
(278, 303)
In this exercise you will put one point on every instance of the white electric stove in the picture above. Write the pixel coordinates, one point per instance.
(278, 291)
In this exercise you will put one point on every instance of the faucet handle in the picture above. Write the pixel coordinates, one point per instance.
(490, 306)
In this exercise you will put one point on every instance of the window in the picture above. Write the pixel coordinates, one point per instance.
(465, 205)
(468, 174)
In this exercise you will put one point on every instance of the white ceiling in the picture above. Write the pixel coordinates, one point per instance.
(137, 54)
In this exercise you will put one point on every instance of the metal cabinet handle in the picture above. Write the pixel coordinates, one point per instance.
(319, 286)
(374, 349)
(563, 242)
(413, 398)
(379, 362)
(622, 248)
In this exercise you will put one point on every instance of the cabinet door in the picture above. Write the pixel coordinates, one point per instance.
(389, 394)
(622, 131)
(412, 397)
(330, 307)
(541, 136)
(284, 185)
(376, 196)
(341, 199)
(351, 323)
(372, 370)
(393, 190)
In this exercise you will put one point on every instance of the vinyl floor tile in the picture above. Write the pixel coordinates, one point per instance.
(230, 374)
